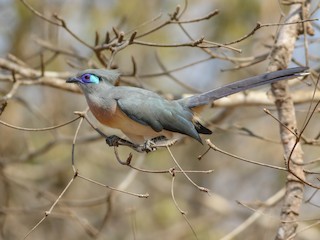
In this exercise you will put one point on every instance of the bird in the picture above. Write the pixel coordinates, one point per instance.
(143, 115)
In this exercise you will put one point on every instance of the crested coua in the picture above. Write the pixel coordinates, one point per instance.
(143, 115)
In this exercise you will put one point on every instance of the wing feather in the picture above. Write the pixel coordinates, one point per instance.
(158, 113)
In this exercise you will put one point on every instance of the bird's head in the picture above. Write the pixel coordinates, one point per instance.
(93, 79)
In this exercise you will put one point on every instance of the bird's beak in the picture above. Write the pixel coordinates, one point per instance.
(73, 80)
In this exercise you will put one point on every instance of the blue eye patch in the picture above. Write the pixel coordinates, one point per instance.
(90, 78)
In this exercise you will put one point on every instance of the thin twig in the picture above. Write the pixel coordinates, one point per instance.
(38, 129)
(262, 25)
(140, 195)
(183, 213)
(47, 213)
(203, 189)
(215, 148)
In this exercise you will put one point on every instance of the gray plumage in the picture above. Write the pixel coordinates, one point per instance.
(142, 114)
(242, 85)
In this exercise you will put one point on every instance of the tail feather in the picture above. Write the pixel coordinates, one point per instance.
(242, 85)
(202, 129)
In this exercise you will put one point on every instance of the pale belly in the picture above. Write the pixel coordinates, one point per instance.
(135, 131)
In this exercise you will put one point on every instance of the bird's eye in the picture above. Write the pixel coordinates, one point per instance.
(89, 78)
(86, 77)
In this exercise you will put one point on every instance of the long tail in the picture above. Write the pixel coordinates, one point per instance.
(242, 85)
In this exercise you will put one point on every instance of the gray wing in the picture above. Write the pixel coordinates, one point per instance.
(150, 109)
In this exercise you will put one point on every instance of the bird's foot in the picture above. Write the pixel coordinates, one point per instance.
(151, 145)
(147, 146)
(115, 141)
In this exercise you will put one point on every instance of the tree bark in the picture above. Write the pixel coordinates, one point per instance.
(280, 57)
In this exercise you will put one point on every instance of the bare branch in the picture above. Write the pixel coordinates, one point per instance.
(280, 57)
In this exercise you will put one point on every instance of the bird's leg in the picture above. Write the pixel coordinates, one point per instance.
(162, 141)
(115, 141)
(159, 139)
(149, 145)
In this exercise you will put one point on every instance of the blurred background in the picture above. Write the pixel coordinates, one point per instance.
(36, 165)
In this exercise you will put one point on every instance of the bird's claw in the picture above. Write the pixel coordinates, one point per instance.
(113, 140)
(147, 146)
(151, 145)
